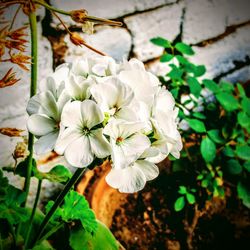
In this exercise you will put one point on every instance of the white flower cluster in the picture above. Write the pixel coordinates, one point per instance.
(98, 108)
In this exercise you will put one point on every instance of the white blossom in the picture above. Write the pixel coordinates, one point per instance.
(82, 140)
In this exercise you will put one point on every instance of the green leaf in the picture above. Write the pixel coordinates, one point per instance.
(246, 105)
(166, 58)
(190, 198)
(227, 101)
(244, 193)
(241, 90)
(75, 207)
(182, 190)
(57, 174)
(182, 60)
(45, 245)
(175, 92)
(13, 213)
(234, 167)
(197, 125)
(175, 73)
(214, 135)
(208, 149)
(184, 49)
(179, 204)
(211, 85)
(199, 115)
(4, 186)
(228, 151)
(199, 70)
(200, 177)
(103, 239)
(243, 119)
(195, 87)
(205, 183)
(159, 41)
(246, 165)
(243, 152)
(226, 86)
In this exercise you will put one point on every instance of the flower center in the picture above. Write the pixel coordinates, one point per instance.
(85, 131)
(119, 140)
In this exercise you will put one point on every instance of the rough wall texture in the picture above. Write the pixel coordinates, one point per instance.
(218, 30)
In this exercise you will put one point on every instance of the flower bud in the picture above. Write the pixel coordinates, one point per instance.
(79, 16)
(76, 39)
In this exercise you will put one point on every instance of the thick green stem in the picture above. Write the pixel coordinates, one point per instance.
(39, 187)
(49, 7)
(33, 86)
(78, 173)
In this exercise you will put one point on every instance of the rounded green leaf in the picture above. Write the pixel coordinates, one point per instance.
(227, 101)
(243, 119)
(246, 165)
(208, 149)
(228, 151)
(243, 152)
(159, 41)
(179, 204)
(190, 198)
(234, 167)
(246, 105)
(211, 85)
(166, 58)
(102, 239)
(214, 135)
(184, 49)
(194, 85)
(197, 125)
(182, 190)
(244, 193)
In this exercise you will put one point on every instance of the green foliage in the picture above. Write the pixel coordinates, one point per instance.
(103, 239)
(10, 200)
(216, 144)
(208, 149)
(75, 207)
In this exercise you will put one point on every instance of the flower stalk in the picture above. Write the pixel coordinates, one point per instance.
(33, 87)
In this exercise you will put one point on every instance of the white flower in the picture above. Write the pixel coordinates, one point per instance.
(114, 98)
(82, 140)
(97, 66)
(44, 120)
(126, 141)
(133, 177)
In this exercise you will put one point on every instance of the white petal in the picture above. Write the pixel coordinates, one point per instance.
(62, 100)
(126, 113)
(46, 143)
(72, 87)
(33, 105)
(99, 144)
(128, 180)
(40, 125)
(81, 68)
(71, 114)
(66, 137)
(91, 114)
(78, 153)
(149, 169)
(135, 145)
(48, 105)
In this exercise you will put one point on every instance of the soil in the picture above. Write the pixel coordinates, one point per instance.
(144, 220)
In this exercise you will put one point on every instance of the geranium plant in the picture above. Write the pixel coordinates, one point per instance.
(90, 111)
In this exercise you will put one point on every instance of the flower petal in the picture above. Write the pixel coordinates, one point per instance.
(128, 180)
(91, 114)
(33, 105)
(40, 125)
(46, 143)
(149, 169)
(71, 114)
(66, 137)
(78, 153)
(99, 144)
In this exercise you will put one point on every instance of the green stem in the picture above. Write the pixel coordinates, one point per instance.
(78, 173)
(88, 18)
(49, 233)
(33, 86)
(49, 7)
(39, 187)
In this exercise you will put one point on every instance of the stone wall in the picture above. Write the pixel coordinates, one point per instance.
(218, 30)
